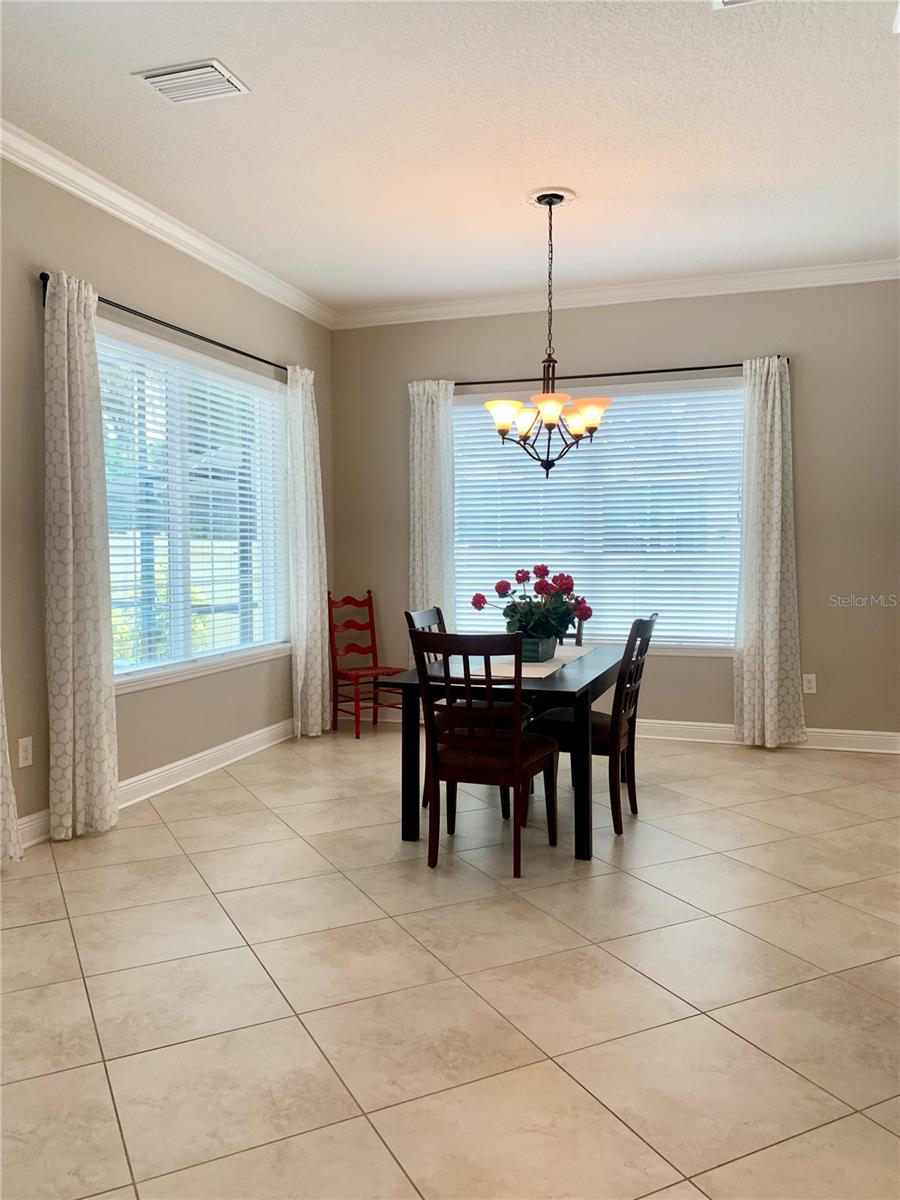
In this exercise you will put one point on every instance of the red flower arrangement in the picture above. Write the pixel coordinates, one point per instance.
(548, 613)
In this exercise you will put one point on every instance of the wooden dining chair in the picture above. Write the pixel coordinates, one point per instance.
(432, 619)
(357, 688)
(575, 635)
(468, 739)
(613, 733)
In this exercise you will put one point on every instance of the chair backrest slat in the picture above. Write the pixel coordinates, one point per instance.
(337, 627)
(431, 619)
(631, 672)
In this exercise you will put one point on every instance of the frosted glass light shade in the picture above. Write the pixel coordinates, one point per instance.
(525, 422)
(574, 422)
(504, 413)
(592, 409)
(550, 405)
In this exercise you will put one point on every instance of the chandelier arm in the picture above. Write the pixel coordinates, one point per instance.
(530, 451)
(550, 281)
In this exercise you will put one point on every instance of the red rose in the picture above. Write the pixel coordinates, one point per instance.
(583, 611)
(564, 583)
(522, 576)
(479, 601)
(543, 588)
(503, 588)
(541, 571)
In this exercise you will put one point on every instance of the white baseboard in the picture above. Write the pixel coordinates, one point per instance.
(36, 827)
(867, 741)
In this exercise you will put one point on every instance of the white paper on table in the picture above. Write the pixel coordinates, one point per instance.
(504, 668)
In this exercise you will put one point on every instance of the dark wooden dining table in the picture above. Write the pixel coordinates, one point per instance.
(575, 685)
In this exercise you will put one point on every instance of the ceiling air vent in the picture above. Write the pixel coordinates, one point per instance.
(189, 82)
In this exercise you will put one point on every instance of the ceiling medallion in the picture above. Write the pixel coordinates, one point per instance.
(555, 425)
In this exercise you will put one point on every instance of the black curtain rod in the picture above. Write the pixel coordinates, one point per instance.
(608, 374)
(200, 337)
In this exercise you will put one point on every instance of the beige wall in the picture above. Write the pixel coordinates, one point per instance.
(842, 342)
(45, 228)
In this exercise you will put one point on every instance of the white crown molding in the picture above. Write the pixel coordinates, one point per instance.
(779, 280)
(42, 160)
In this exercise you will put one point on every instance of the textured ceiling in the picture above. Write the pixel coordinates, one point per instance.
(384, 150)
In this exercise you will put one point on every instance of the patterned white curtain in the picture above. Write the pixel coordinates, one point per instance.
(10, 842)
(431, 566)
(308, 566)
(768, 698)
(81, 695)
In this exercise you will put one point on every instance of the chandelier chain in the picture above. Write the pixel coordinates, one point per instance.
(550, 280)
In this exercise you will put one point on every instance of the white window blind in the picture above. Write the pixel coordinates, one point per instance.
(196, 489)
(647, 518)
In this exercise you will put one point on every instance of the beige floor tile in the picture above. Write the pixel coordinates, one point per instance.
(794, 779)
(486, 827)
(336, 1163)
(60, 1137)
(406, 1044)
(125, 1193)
(33, 955)
(329, 816)
(240, 829)
(887, 1114)
(699, 1094)
(524, 1135)
(375, 777)
(133, 816)
(336, 966)
(202, 783)
(867, 799)
(880, 897)
(670, 770)
(147, 1007)
(566, 1001)
(820, 930)
(820, 861)
(117, 846)
(728, 789)
(642, 845)
(611, 906)
(838, 1036)
(185, 806)
(857, 767)
(717, 882)
(290, 770)
(279, 910)
(880, 978)
(709, 963)
(200, 1100)
(267, 862)
(371, 846)
(849, 1158)
(654, 747)
(286, 751)
(38, 860)
(411, 886)
(101, 889)
(47, 1029)
(284, 793)
(541, 865)
(656, 801)
(133, 937)
(679, 1191)
(721, 829)
(800, 814)
(29, 900)
(488, 933)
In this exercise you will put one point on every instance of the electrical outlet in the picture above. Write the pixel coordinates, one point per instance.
(25, 754)
(809, 685)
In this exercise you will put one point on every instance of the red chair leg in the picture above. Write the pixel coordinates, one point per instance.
(504, 803)
(356, 708)
(334, 704)
(451, 807)
(374, 703)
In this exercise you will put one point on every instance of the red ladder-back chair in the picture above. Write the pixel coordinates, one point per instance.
(357, 687)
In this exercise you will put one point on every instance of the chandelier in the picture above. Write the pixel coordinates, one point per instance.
(555, 425)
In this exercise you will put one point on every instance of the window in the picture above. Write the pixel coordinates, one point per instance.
(196, 490)
(646, 518)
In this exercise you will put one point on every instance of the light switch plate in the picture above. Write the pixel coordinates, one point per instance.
(25, 752)
(809, 685)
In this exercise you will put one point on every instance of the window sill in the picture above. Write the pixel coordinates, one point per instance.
(680, 651)
(214, 664)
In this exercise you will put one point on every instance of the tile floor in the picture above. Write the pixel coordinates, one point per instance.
(254, 989)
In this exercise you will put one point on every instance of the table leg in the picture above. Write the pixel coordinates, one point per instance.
(581, 776)
(410, 778)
